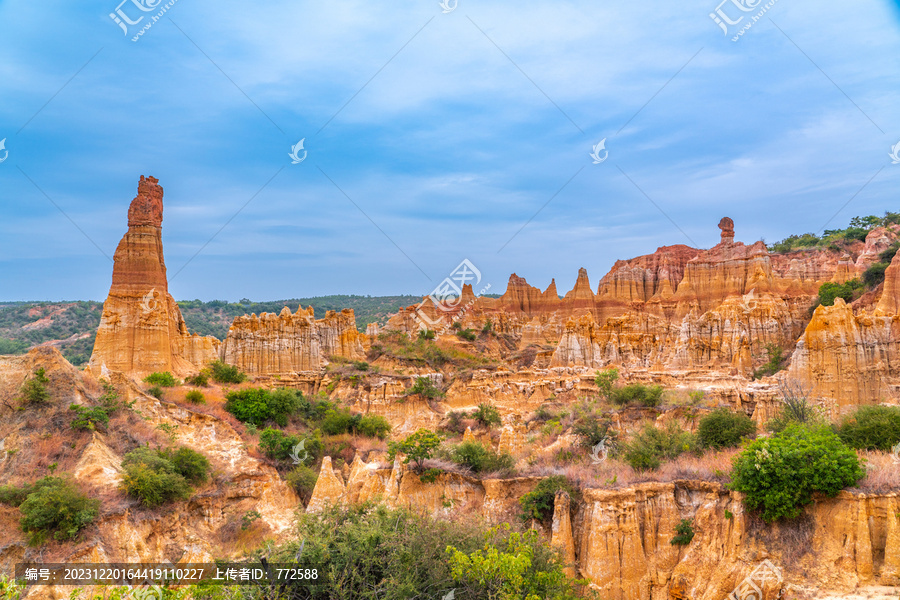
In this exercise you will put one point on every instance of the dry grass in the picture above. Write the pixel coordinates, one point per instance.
(615, 474)
(882, 473)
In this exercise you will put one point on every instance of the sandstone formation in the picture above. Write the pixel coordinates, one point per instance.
(692, 310)
(291, 342)
(142, 329)
(853, 358)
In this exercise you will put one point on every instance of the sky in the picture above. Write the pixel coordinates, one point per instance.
(432, 134)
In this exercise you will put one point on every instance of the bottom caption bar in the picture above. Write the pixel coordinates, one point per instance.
(160, 574)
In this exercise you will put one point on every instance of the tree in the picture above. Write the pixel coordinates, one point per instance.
(605, 380)
(417, 447)
(34, 391)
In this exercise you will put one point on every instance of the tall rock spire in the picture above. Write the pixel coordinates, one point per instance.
(142, 329)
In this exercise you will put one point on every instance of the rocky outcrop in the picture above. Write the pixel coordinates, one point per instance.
(291, 342)
(853, 358)
(329, 488)
(142, 330)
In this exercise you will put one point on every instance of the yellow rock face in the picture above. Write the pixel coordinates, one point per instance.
(291, 342)
(142, 330)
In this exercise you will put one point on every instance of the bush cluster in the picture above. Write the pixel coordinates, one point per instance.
(480, 459)
(417, 447)
(647, 449)
(538, 503)
(371, 552)
(303, 480)
(156, 477)
(165, 379)
(34, 391)
(222, 373)
(279, 445)
(829, 290)
(724, 428)
(637, 394)
(684, 533)
(258, 405)
(423, 386)
(51, 506)
(486, 414)
(779, 474)
(871, 428)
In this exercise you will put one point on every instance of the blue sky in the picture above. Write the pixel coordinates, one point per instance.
(447, 131)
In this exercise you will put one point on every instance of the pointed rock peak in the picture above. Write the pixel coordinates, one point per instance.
(147, 207)
(285, 312)
(551, 292)
(468, 295)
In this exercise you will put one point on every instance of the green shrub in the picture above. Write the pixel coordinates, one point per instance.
(13, 495)
(874, 275)
(34, 391)
(277, 444)
(592, 431)
(648, 448)
(488, 327)
(55, 507)
(360, 365)
(303, 480)
(417, 447)
(372, 552)
(190, 464)
(424, 387)
(888, 255)
(10, 589)
(828, 291)
(605, 381)
(774, 364)
(157, 392)
(374, 426)
(156, 477)
(637, 394)
(486, 414)
(201, 379)
(779, 474)
(222, 373)
(8, 346)
(480, 459)
(426, 334)
(871, 428)
(165, 379)
(338, 421)
(538, 504)
(684, 533)
(90, 417)
(511, 568)
(466, 334)
(257, 405)
(195, 397)
(723, 428)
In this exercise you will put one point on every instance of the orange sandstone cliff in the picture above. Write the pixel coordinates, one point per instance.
(142, 330)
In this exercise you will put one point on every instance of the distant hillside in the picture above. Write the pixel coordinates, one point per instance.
(71, 326)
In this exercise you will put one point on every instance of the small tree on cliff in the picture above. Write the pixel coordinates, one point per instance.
(418, 447)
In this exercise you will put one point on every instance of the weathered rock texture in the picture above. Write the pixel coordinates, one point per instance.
(853, 357)
(142, 330)
(620, 539)
(291, 342)
(687, 309)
